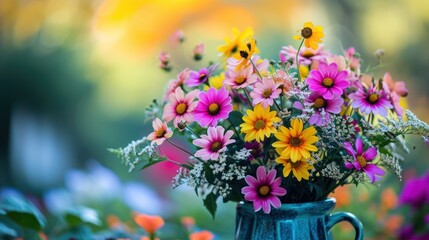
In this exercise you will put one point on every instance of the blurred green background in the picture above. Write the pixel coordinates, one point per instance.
(76, 75)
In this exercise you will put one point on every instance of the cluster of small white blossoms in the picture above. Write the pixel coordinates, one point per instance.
(392, 162)
(242, 154)
(332, 170)
(136, 152)
(396, 127)
(338, 130)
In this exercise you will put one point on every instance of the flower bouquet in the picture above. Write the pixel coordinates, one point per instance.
(268, 132)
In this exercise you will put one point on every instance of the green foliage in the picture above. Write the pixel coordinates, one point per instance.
(210, 203)
(22, 212)
(82, 216)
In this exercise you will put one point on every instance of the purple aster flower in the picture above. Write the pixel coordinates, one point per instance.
(255, 148)
(201, 76)
(327, 80)
(362, 160)
(263, 190)
(416, 192)
(371, 101)
(321, 104)
(213, 143)
(213, 106)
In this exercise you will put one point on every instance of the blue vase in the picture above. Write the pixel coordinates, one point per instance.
(298, 221)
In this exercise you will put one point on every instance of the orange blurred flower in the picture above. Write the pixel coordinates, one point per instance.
(187, 221)
(389, 199)
(147, 238)
(342, 195)
(202, 235)
(149, 223)
(113, 221)
(393, 223)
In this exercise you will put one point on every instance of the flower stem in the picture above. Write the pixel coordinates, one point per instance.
(297, 62)
(256, 69)
(277, 105)
(179, 147)
(192, 131)
(248, 97)
(233, 127)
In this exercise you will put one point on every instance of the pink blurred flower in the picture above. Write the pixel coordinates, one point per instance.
(285, 80)
(160, 132)
(177, 37)
(354, 61)
(263, 190)
(214, 143)
(213, 106)
(164, 59)
(180, 107)
(265, 92)
(240, 78)
(178, 82)
(306, 56)
(363, 160)
(397, 87)
(371, 101)
(327, 80)
(199, 51)
(261, 64)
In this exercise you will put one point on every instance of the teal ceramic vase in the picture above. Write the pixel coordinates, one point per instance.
(312, 220)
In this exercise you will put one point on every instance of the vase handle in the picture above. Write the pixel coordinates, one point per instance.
(345, 216)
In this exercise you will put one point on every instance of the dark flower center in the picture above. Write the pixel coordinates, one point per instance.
(181, 108)
(202, 77)
(327, 82)
(160, 133)
(240, 80)
(234, 49)
(307, 53)
(216, 146)
(361, 160)
(319, 103)
(214, 109)
(264, 190)
(267, 93)
(259, 124)
(295, 164)
(306, 32)
(373, 98)
(295, 142)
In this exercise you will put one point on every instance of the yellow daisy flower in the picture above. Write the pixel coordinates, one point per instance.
(312, 35)
(232, 46)
(300, 169)
(217, 81)
(258, 123)
(295, 142)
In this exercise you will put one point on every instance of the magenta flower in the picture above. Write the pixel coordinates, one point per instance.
(213, 106)
(263, 190)
(240, 78)
(180, 107)
(201, 76)
(321, 104)
(255, 147)
(362, 160)
(265, 92)
(213, 143)
(328, 81)
(371, 101)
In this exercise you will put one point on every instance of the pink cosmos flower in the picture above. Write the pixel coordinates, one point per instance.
(398, 87)
(261, 64)
(240, 78)
(199, 51)
(285, 79)
(362, 160)
(306, 56)
(160, 132)
(263, 190)
(180, 107)
(265, 92)
(177, 37)
(213, 106)
(178, 82)
(371, 101)
(213, 143)
(322, 104)
(327, 80)
(354, 61)
(201, 76)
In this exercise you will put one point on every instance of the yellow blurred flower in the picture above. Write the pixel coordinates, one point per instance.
(303, 70)
(217, 81)
(312, 35)
(232, 46)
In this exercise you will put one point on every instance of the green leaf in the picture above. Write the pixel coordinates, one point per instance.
(210, 204)
(82, 216)
(209, 173)
(7, 231)
(236, 118)
(23, 213)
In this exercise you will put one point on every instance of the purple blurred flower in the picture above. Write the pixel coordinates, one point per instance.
(416, 192)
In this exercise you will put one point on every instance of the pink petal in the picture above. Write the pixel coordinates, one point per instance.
(349, 165)
(266, 206)
(275, 201)
(261, 173)
(359, 146)
(251, 181)
(370, 154)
